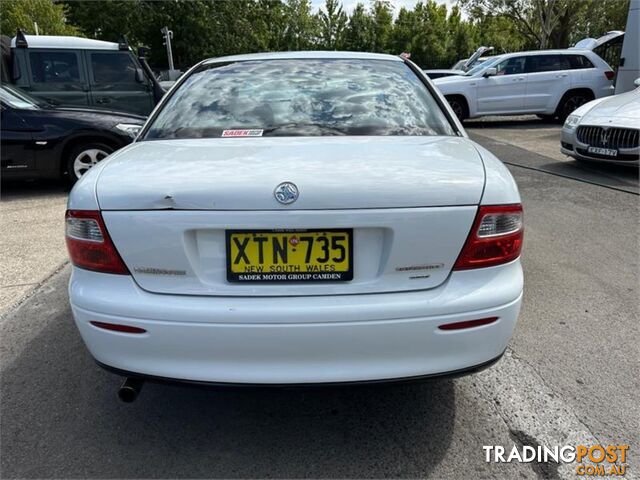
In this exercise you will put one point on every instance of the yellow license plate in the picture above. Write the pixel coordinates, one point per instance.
(289, 255)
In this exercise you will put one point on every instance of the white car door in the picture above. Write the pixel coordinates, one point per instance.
(548, 77)
(503, 92)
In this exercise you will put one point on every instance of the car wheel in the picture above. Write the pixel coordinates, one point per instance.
(458, 107)
(83, 157)
(570, 103)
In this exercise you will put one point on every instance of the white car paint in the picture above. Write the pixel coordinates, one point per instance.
(225, 170)
(310, 339)
(66, 42)
(522, 93)
(410, 200)
(461, 66)
(619, 111)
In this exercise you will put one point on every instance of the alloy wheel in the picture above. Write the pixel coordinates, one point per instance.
(87, 159)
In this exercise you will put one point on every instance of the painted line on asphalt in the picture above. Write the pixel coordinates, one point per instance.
(528, 408)
(6, 310)
(486, 140)
(541, 170)
(533, 412)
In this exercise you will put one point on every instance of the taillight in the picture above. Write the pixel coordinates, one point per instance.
(117, 327)
(609, 74)
(495, 238)
(466, 324)
(89, 244)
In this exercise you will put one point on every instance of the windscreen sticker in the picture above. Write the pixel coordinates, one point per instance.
(242, 133)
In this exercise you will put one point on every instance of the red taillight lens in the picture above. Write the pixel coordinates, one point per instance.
(468, 324)
(89, 244)
(495, 238)
(117, 327)
(609, 74)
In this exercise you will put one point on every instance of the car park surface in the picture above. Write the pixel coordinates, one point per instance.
(568, 377)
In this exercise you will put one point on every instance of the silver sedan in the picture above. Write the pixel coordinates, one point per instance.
(605, 130)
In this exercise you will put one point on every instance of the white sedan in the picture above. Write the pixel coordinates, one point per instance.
(297, 218)
(605, 130)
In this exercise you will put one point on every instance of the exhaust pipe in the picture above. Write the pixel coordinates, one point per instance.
(130, 389)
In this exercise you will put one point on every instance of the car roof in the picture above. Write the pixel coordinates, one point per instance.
(315, 54)
(562, 51)
(57, 41)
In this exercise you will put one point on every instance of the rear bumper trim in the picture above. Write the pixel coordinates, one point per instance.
(401, 380)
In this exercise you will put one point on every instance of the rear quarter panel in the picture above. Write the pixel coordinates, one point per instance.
(500, 188)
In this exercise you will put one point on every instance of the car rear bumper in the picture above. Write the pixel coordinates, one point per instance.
(298, 340)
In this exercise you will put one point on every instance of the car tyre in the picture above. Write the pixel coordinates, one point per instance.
(570, 102)
(85, 156)
(459, 107)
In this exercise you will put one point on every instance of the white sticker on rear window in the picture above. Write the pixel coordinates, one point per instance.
(242, 133)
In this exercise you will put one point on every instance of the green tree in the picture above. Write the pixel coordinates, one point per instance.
(405, 29)
(333, 22)
(430, 49)
(301, 30)
(596, 17)
(501, 33)
(553, 23)
(382, 24)
(49, 16)
(434, 35)
(107, 20)
(359, 34)
(201, 28)
(463, 38)
(268, 26)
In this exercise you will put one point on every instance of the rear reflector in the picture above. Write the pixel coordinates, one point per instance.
(89, 244)
(609, 74)
(117, 327)
(495, 238)
(468, 324)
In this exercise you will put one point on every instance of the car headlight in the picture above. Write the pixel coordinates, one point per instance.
(572, 121)
(129, 128)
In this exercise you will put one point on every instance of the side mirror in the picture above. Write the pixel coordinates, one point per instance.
(490, 72)
(139, 75)
(636, 82)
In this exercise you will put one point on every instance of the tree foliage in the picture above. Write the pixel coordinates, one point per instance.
(435, 35)
(333, 23)
(24, 14)
(553, 23)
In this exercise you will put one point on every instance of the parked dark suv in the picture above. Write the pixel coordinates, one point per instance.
(40, 140)
(81, 71)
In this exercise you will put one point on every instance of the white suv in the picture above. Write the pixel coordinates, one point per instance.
(549, 83)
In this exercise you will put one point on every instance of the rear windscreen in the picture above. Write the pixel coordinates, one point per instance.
(310, 97)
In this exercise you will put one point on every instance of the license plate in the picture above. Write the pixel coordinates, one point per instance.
(289, 255)
(603, 151)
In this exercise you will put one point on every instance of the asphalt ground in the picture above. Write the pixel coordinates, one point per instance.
(570, 375)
